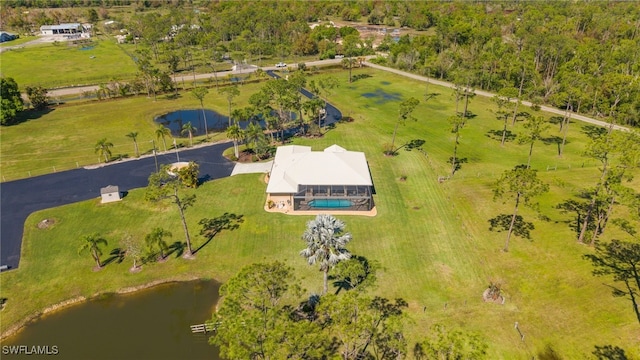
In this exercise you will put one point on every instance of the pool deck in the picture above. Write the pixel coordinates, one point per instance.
(283, 206)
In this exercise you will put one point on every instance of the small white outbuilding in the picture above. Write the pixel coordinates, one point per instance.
(109, 194)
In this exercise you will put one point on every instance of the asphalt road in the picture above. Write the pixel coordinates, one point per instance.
(22, 197)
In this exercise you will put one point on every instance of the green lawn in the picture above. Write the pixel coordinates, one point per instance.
(431, 238)
(61, 64)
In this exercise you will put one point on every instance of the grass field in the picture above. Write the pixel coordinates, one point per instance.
(98, 63)
(431, 238)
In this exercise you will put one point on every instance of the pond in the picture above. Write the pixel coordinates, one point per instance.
(175, 119)
(148, 324)
(215, 121)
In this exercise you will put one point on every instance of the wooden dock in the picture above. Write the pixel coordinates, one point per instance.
(202, 328)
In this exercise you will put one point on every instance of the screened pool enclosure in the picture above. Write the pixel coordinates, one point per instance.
(338, 197)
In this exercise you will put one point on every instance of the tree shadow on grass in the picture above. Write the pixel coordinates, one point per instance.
(468, 115)
(211, 227)
(177, 247)
(557, 140)
(357, 77)
(593, 131)
(609, 352)
(173, 96)
(502, 222)
(459, 162)
(497, 135)
(203, 179)
(549, 353)
(116, 255)
(357, 272)
(29, 115)
(556, 120)
(118, 157)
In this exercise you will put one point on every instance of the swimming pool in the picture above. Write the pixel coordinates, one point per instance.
(330, 203)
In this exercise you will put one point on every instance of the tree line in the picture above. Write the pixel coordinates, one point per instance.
(579, 57)
(583, 57)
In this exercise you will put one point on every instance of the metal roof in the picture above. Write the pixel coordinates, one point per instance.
(109, 189)
(60, 27)
(297, 165)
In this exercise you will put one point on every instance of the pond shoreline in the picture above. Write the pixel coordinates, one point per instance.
(13, 330)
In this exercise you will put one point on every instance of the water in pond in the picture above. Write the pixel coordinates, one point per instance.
(215, 121)
(149, 324)
(176, 119)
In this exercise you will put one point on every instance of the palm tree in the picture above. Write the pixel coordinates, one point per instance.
(134, 136)
(313, 107)
(163, 132)
(189, 129)
(156, 238)
(253, 134)
(199, 93)
(236, 134)
(231, 92)
(325, 244)
(92, 244)
(103, 147)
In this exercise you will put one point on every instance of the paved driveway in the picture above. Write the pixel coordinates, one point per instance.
(252, 168)
(22, 197)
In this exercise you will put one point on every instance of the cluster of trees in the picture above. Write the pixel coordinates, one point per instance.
(611, 200)
(582, 57)
(12, 103)
(264, 315)
(281, 105)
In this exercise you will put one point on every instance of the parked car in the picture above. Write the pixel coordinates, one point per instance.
(281, 65)
(339, 56)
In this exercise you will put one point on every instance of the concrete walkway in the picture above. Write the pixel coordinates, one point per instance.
(252, 168)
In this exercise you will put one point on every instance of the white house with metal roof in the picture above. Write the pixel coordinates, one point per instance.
(70, 30)
(333, 179)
